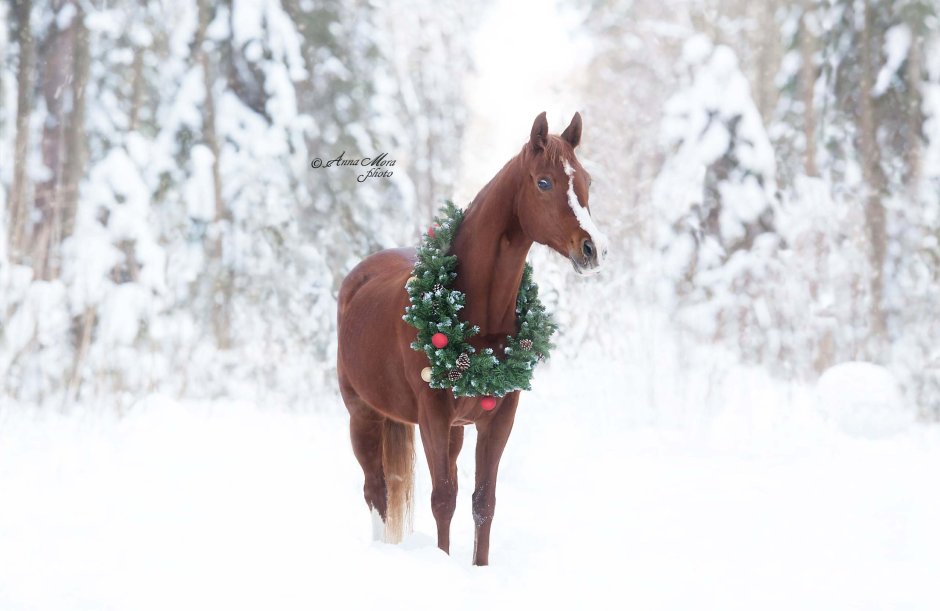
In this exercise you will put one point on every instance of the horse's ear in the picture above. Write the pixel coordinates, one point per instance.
(572, 133)
(539, 135)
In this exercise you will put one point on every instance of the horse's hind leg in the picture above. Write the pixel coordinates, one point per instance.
(365, 432)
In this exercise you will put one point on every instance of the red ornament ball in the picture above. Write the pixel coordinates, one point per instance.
(439, 340)
(431, 230)
(488, 403)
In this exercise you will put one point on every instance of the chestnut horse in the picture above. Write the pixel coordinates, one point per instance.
(540, 195)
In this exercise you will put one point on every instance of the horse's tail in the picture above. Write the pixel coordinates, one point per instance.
(398, 462)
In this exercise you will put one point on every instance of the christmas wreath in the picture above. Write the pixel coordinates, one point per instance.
(455, 364)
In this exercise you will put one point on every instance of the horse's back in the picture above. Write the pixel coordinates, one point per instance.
(371, 302)
(378, 271)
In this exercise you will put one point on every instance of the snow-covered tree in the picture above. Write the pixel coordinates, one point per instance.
(715, 197)
(189, 246)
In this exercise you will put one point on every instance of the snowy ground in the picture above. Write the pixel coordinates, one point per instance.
(759, 504)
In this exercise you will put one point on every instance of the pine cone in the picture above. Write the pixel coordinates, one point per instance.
(438, 287)
(526, 344)
(463, 361)
(455, 375)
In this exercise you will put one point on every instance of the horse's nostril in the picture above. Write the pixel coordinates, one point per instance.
(587, 247)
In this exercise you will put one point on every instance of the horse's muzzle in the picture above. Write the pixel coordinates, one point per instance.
(589, 260)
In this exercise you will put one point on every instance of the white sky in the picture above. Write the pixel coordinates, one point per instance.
(529, 56)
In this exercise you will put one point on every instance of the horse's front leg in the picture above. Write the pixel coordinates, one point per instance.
(492, 435)
(441, 445)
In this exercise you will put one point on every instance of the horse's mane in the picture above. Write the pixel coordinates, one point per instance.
(555, 147)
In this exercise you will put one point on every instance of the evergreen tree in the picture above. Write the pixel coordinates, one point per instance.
(715, 238)
(188, 246)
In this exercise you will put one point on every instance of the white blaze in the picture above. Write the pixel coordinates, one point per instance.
(584, 218)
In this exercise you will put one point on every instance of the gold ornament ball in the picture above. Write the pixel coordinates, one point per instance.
(426, 374)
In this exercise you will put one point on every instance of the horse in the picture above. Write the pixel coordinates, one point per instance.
(540, 195)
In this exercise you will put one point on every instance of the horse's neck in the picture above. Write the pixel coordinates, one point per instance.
(491, 250)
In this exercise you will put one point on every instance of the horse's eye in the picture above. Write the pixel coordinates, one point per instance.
(544, 184)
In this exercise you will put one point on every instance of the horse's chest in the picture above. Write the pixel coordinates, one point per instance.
(466, 411)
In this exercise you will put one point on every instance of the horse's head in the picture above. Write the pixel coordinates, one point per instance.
(553, 199)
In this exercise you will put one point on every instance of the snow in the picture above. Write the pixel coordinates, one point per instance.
(65, 15)
(864, 399)
(89, 258)
(140, 36)
(696, 49)
(40, 317)
(199, 191)
(4, 41)
(697, 124)
(931, 107)
(247, 20)
(896, 46)
(195, 505)
(121, 312)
